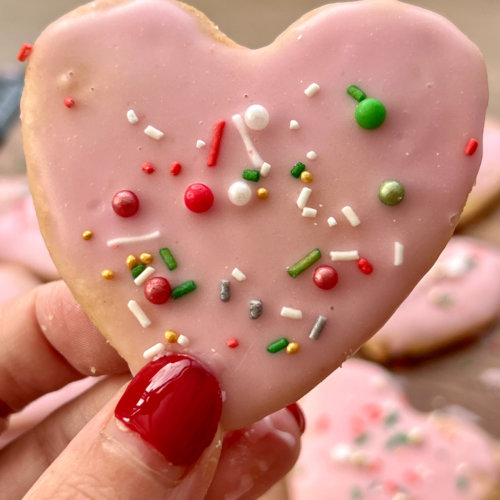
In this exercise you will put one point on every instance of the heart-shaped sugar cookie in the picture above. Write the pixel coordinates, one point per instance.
(262, 210)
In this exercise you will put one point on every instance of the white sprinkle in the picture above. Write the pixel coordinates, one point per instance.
(344, 255)
(183, 340)
(141, 279)
(311, 90)
(265, 169)
(131, 116)
(379, 382)
(238, 275)
(294, 125)
(139, 314)
(309, 212)
(153, 351)
(256, 117)
(398, 253)
(200, 144)
(239, 193)
(312, 155)
(359, 458)
(416, 435)
(133, 239)
(300, 37)
(254, 156)
(351, 216)
(93, 370)
(331, 221)
(340, 453)
(303, 197)
(153, 132)
(289, 312)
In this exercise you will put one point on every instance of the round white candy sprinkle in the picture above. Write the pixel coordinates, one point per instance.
(312, 155)
(294, 125)
(256, 117)
(239, 193)
(200, 144)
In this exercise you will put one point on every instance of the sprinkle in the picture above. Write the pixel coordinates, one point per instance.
(251, 175)
(141, 279)
(200, 144)
(340, 453)
(356, 93)
(331, 221)
(311, 90)
(238, 275)
(183, 340)
(277, 345)
(24, 52)
(213, 154)
(391, 192)
(87, 235)
(309, 212)
(400, 495)
(311, 155)
(183, 289)
(292, 348)
(153, 351)
(133, 239)
(359, 458)
(365, 266)
(294, 125)
(356, 493)
(462, 483)
(361, 439)
(107, 274)
(137, 270)
(304, 263)
(153, 132)
(168, 258)
(391, 418)
(171, 336)
(262, 193)
(297, 169)
(131, 261)
(198, 198)
(325, 277)
(147, 167)
(125, 203)
(265, 169)
(146, 258)
(255, 158)
(139, 314)
(225, 290)
(344, 255)
(175, 168)
(303, 197)
(370, 113)
(69, 102)
(317, 328)
(157, 290)
(132, 117)
(289, 312)
(351, 216)
(256, 117)
(398, 253)
(255, 308)
(415, 436)
(232, 343)
(471, 147)
(398, 439)
(306, 177)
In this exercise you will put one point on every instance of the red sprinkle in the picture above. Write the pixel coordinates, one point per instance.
(325, 277)
(147, 167)
(471, 147)
(125, 203)
(411, 477)
(215, 145)
(175, 168)
(365, 266)
(391, 486)
(157, 290)
(357, 425)
(373, 410)
(198, 198)
(24, 52)
(232, 343)
(69, 102)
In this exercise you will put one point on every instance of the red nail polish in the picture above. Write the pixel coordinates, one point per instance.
(174, 404)
(298, 414)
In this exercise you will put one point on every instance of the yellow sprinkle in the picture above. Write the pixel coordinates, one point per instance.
(306, 177)
(107, 274)
(146, 258)
(86, 235)
(292, 347)
(171, 336)
(131, 261)
(262, 193)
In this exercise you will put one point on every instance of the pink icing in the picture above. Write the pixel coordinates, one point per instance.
(350, 446)
(157, 59)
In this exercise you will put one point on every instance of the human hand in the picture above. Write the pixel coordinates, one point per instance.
(84, 451)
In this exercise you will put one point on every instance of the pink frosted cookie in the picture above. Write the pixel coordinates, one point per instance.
(363, 442)
(262, 210)
(458, 298)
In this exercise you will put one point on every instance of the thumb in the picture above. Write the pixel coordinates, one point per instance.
(161, 440)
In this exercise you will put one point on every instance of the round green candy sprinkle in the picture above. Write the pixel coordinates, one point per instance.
(251, 175)
(370, 113)
(391, 192)
(304, 263)
(183, 289)
(136, 270)
(277, 345)
(297, 169)
(356, 93)
(168, 258)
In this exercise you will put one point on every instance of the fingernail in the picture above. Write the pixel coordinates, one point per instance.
(174, 404)
(299, 416)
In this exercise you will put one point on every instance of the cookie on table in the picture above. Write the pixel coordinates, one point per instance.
(457, 299)
(364, 442)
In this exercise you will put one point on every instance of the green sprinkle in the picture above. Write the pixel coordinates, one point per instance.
(391, 419)
(277, 345)
(356, 493)
(361, 438)
(391, 192)
(297, 169)
(168, 258)
(136, 270)
(356, 93)
(370, 113)
(462, 482)
(398, 439)
(183, 289)
(251, 175)
(304, 263)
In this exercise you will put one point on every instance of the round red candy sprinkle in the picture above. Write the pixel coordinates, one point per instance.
(125, 203)
(198, 197)
(232, 343)
(147, 167)
(325, 277)
(365, 266)
(175, 168)
(157, 290)
(69, 102)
